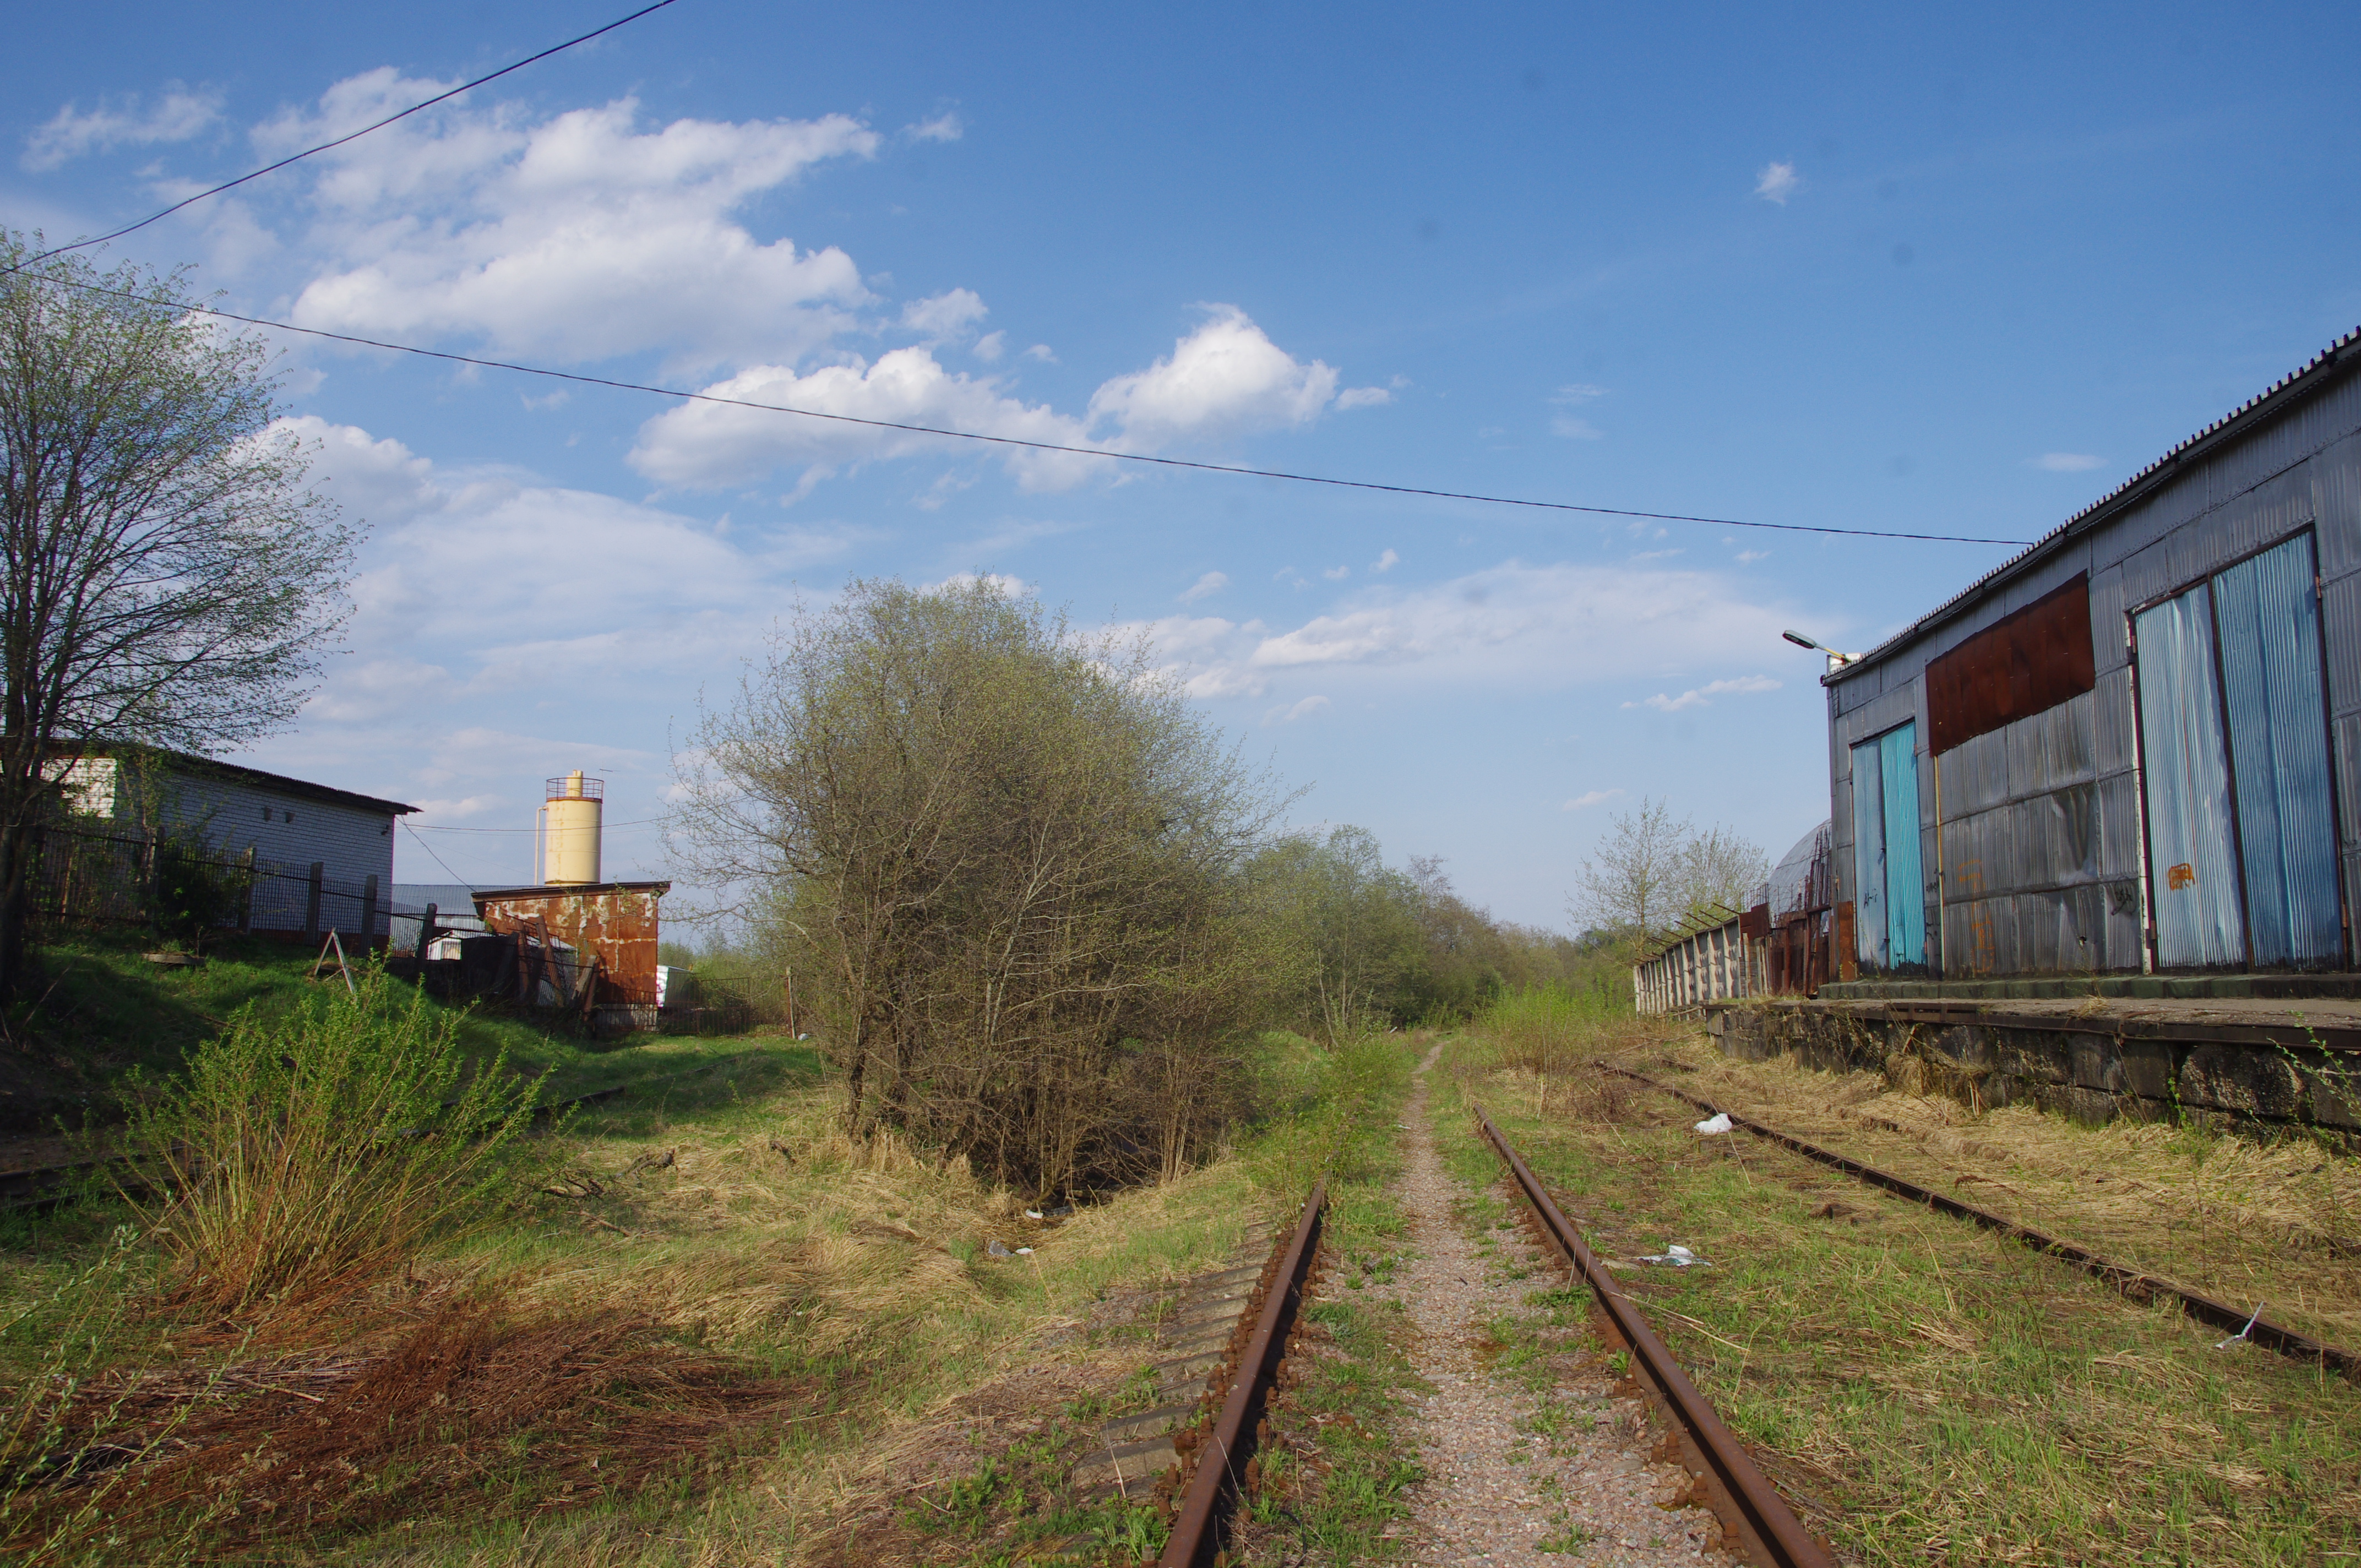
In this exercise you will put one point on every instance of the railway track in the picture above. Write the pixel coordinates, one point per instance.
(2137, 1284)
(1233, 1340)
(1757, 1520)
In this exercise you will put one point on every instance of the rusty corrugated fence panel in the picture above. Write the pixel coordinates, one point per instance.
(2018, 666)
(618, 921)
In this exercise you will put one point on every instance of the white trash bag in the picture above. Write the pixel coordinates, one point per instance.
(1717, 1123)
(1679, 1256)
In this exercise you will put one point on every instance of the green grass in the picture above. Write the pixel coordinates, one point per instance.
(1924, 1390)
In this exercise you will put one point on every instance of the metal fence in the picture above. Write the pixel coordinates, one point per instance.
(1715, 964)
(77, 875)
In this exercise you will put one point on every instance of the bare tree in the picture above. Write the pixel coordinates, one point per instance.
(169, 579)
(1717, 874)
(1633, 880)
(1652, 873)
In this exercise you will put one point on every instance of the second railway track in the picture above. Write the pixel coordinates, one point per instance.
(1761, 1526)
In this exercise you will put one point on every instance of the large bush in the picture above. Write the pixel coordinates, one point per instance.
(1002, 861)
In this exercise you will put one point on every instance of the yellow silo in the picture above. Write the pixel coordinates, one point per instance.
(569, 830)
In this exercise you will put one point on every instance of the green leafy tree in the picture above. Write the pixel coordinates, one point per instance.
(165, 577)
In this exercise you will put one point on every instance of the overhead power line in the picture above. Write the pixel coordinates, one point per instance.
(612, 384)
(356, 136)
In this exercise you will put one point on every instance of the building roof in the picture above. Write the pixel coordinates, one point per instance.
(571, 890)
(2329, 366)
(211, 767)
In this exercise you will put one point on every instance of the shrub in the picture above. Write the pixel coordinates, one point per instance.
(305, 1154)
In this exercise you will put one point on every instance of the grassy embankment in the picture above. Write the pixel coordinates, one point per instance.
(700, 1326)
(1925, 1390)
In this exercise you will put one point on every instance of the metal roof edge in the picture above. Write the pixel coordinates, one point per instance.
(548, 889)
(189, 762)
(2272, 403)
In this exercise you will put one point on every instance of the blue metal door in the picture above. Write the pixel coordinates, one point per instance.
(1870, 934)
(1889, 895)
(1906, 890)
(2268, 628)
(2191, 856)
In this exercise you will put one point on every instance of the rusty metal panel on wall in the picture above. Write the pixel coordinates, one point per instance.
(618, 921)
(2019, 666)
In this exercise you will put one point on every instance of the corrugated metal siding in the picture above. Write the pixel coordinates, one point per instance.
(2337, 505)
(2339, 610)
(2107, 643)
(2110, 714)
(353, 844)
(2120, 850)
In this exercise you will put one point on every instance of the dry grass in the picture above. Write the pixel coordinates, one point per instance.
(2252, 1223)
(472, 1401)
(1926, 1391)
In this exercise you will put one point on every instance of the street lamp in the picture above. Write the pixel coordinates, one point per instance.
(1836, 661)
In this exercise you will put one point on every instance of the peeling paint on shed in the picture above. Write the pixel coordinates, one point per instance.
(618, 921)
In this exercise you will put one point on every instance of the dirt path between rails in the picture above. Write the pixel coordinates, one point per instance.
(1516, 1476)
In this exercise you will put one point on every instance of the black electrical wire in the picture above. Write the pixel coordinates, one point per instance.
(615, 385)
(356, 136)
(439, 860)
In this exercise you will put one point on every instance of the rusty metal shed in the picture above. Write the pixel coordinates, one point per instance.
(2133, 749)
(617, 922)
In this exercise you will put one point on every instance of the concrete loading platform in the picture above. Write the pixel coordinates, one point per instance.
(2258, 1065)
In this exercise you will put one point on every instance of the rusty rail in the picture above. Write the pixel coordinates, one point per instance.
(2138, 1285)
(1768, 1528)
(1222, 1457)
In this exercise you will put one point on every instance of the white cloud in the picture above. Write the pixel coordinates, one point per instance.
(180, 114)
(1571, 426)
(1777, 182)
(2069, 461)
(1746, 555)
(576, 238)
(1514, 626)
(1210, 584)
(472, 578)
(1362, 396)
(990, 346)
(1337, 573)
(1590, 798)
(1701, 696)
(714, 444)
(1041, 351)
(948, 316)
(1384, 562)
(1288, 713)
(1224, 378)
(942, 128)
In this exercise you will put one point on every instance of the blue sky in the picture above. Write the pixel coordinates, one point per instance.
(1863, 268)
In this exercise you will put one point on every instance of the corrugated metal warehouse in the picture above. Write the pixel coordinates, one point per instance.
(2136, 747)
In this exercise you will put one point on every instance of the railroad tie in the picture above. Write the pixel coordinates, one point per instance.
(1133, 1450)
